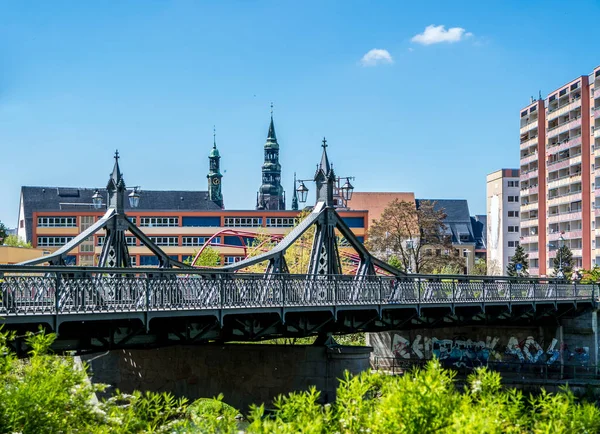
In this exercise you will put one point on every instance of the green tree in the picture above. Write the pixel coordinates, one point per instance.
(3, 231)
(563, 260)
(416, 237)
(480, 267)
(15, 241)
(520, 257)
(209, 258)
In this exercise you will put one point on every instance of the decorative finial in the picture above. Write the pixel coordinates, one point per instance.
(324, 143)
(116, 154)
(271, 108)
(214, 137)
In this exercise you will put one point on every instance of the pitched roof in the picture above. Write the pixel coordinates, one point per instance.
(457, 218)
(479, 224)
(66, 198)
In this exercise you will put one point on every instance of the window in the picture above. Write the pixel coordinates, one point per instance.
(513, 183)
(199, 241)
(165, 241)
(86, 248)
(513, 213)
(131, 241)
(511, 198)
(354, 222)
(513, 243)
(200, 222)
(237, 222)
(466, 253)
(232, 259)
(513, 229)
(159, 221)
(57, 222)
(133, 260)
(146, 260)
(464, 238)
(53, 241)
(280, 222)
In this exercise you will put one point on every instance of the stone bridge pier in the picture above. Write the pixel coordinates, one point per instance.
(244, 373)
(565, 349)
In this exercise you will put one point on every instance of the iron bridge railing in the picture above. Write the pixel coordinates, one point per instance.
(69, 290)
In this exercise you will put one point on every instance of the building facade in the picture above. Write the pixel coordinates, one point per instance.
(558, 142)
(503, 218)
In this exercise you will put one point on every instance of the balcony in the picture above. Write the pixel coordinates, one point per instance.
(528, 175)
(529, 158)
(564, 109)
(534, 255)
(529, 239)
(567, 235)
(529, 206)
(596, 111)
(534, 271)
(567, 126)
(577, 253)
(569, 143)
(559, 182)
(531, 190)
(597, 131)
(529, 126)
(564, 198)
(529, 142)
(564, 217)
(529, 223)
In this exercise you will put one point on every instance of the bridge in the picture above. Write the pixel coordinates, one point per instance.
(115, 305)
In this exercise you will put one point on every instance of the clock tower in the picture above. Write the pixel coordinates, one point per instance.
(214, 174)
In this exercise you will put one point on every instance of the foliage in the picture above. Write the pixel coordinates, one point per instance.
(395, 262)
(591, 276)
(520, 257)
(564, 260)
(208, 258)
(414, 236)
(3, 231)
(50, 394)
(480, 268)
(448, 269)
(426, 401)
(15, 241)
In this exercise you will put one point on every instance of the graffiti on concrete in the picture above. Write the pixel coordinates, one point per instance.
(460, 352)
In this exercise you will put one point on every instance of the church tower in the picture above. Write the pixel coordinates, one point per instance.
(271, 194)
(214, 174)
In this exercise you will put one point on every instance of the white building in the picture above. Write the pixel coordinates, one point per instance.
(503, 205)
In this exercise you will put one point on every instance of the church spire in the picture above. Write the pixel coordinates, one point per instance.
(295, 196)
(270, 193)
(214, 174)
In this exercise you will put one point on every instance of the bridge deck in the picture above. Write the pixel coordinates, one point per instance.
(70, 299)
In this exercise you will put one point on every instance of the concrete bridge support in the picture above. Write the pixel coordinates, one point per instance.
(567, 349)
(245, 373)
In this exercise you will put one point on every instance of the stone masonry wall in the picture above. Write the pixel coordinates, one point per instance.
(245, 374)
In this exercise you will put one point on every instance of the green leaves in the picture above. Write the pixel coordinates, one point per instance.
(52, 394)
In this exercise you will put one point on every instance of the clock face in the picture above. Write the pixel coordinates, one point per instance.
(216, 181)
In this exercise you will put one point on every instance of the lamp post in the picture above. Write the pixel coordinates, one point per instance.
(560, 274)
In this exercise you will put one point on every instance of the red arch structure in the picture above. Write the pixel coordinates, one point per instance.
(353, 258)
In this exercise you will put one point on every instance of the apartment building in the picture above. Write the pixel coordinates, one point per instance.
(503, 209)
(558, 174)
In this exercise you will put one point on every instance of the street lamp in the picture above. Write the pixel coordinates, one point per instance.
(302, 191)
(97, 200)
(347, 190)
(134, 198)
(560, 274)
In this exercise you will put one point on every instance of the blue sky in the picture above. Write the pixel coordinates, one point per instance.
(431, 114)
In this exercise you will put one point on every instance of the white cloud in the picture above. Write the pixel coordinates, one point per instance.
(376, 57)
(435, 34)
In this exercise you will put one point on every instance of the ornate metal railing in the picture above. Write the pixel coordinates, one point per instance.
(69, 290)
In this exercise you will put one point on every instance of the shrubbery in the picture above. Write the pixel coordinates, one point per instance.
(49, 394)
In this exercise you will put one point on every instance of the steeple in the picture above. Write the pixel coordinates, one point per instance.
(214, 173)
(295, 196)
(271, 194)
(325, 178)
(116, 186)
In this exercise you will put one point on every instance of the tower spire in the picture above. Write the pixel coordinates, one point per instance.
(214, 174)
(295, 196)
(214, 137)
(271, 194)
